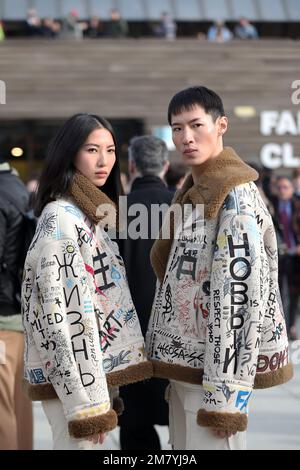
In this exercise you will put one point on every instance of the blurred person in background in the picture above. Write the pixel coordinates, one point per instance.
(175, 176)
(2, 33)
(167, 28)
(296, 182)
(287, 224)
(144, 403)
(72, 27)
(16, 431)
(33, 23)
(50, 28)
(95, 28)
(218, 32)
(245, 30)
(117, 26)
(260, 186)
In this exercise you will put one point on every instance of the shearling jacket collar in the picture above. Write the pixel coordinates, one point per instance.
(218, 176)
(92, 201)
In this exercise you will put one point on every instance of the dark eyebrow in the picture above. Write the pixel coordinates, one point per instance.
(95, 145)
(98, 146)
(190, 122)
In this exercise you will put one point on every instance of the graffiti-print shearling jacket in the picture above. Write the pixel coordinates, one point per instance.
(217, 317)
(81, 328)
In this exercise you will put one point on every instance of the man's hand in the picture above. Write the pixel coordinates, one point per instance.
(222, 434)
(97, 438)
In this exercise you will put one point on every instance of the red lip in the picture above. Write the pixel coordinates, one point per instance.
(188, 151)
(101, 173)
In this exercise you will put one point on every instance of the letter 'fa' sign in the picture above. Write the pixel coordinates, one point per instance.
(2, 92)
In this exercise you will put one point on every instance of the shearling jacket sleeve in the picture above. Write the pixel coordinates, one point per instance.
(65, 333)
(235, 322)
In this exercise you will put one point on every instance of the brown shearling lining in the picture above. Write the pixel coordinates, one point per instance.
(127, 376)
(89, 199)
(130, 375)
(160, 370)
(194, 376)
(177, 372)
(118, 405)
(39, 392)
(271, 379)
(217, 178)
(89, 426)
(230, 422)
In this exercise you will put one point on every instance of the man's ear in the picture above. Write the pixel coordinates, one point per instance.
(223, 125)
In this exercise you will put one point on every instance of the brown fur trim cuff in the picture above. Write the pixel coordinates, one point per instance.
(230, 422)
(130, 375)
(80, 428)
(271, 379)
(39, 392)
(177, 372)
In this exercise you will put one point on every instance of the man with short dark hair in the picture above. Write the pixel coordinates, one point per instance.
(217, 328)
(15, 408)
(144, 402)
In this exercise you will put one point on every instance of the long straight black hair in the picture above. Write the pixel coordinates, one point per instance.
(59, 170)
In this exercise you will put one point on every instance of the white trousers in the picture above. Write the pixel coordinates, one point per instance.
(185, 434)
(59, 427)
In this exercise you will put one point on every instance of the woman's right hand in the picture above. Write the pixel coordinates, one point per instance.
(97, 438)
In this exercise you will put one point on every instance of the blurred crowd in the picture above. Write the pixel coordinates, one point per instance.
(281, 194)
(117, 27)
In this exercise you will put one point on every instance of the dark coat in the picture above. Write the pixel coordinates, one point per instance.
(11, 224)
(144, 402)
(289, 265)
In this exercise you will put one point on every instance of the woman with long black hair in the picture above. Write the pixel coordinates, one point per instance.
(83, 338)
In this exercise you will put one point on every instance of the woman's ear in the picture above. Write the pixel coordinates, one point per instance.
(223, 125)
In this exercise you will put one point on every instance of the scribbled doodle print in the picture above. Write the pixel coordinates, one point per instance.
(66, 265)
(114, 361)
(226, 391)
(72, 328)
(46, 227)
(68, 248)
(84, 237)
(277, 333)
(228, 284)
(167, 307)
(130, 318)
(101, 267)
(73, 210)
